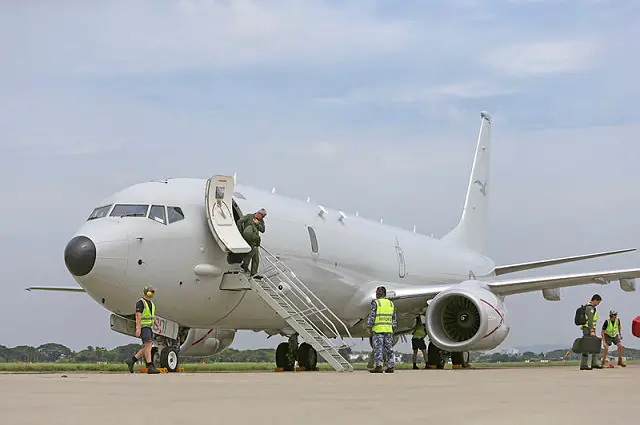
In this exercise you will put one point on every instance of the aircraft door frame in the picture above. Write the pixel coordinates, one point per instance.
(219, 213)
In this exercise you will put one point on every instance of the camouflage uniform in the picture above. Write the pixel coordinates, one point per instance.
(251, 234)
(382, 342)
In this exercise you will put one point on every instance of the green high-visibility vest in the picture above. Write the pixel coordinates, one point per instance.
(146, 318)
(383, 322)
(420, 332)
(612, 328)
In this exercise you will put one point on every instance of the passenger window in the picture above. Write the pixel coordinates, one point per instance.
(174, 214)
(99, 212)
(129, 210)
(157, 213)
(314, 240)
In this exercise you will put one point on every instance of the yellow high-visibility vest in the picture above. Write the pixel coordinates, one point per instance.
(146, 318)
(420, 332)
(612, 328)
(383, 322)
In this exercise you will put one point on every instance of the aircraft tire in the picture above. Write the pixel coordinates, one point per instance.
(155, 357)
(434, 357)
(457, 358)
(282, 359)
(169, 359)
(307, 356)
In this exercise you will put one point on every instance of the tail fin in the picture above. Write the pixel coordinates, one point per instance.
(471, 231)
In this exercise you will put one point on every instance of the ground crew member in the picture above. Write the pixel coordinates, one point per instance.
(382, 322)
(417, 341)
(250, 227)
(612, 334)
(145, 318)
(589, 329)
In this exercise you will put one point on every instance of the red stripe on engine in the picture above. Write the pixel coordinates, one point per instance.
(499, 314)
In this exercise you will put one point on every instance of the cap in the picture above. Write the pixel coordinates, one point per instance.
(263, 212)
(612, 312)
(148, 289)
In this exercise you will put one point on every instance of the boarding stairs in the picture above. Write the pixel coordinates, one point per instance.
(301, 309)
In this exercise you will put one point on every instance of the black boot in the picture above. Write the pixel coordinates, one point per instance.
(151, 369)
(130, 362)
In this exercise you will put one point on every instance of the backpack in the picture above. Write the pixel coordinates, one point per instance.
(581, 315)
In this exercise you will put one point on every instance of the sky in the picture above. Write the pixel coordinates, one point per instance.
(369, 106)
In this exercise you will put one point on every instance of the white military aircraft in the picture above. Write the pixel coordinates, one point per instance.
(320, 270)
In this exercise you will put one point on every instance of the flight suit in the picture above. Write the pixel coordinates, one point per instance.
(251, 233)
(587, 328)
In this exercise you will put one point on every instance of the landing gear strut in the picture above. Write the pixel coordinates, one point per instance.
(288, 352)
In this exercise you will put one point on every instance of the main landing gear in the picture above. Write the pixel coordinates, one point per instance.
(437, 358)
(288, 352)
(165, 353)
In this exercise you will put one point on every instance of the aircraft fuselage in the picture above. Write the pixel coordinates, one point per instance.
(341, 266)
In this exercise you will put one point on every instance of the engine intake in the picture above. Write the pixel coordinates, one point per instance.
(467, 317)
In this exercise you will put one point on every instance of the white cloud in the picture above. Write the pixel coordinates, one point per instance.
(156, 37)
(544, 57)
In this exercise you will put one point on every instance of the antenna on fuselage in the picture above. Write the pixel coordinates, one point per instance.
(273, 190)
(342, 216)
(308, 199)
(235, 175)
(414, 228)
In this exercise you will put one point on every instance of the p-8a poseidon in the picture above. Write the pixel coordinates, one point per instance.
(319, 267)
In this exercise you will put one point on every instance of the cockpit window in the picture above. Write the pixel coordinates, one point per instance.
(99, 212)
(129, 210)
(174, 214)
(157, 214)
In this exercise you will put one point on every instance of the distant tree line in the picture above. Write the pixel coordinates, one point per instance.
(52, 352)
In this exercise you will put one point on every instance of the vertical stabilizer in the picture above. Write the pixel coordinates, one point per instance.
(471, 231)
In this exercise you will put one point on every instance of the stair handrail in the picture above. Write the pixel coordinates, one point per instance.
(304, 290)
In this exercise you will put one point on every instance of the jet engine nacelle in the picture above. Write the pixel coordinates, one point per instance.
(206, 342)
(467, 317)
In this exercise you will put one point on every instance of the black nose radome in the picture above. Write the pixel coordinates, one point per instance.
(80, 255)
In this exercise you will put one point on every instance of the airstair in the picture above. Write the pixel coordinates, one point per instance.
(279, 287)
(301, 309)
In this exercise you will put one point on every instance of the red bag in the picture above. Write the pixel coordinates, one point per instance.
(635, 327)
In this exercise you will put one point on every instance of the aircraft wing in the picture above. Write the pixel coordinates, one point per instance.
(512, 268)
(522, 285)
(55, 288)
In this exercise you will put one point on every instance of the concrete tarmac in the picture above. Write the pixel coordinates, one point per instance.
(531, 395)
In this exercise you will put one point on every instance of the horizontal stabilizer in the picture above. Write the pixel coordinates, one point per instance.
(512, 268)
(55, 288)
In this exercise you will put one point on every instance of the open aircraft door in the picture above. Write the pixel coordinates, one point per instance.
(218, 206)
